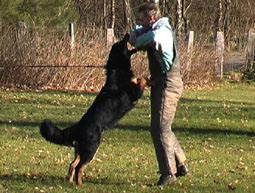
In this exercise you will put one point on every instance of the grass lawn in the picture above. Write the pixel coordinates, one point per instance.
(216, 127)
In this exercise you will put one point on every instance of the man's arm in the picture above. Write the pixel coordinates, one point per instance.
(140, 37)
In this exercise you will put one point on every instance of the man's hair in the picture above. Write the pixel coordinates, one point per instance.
(150, 9)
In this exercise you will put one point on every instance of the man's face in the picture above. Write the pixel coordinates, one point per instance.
(145, 21)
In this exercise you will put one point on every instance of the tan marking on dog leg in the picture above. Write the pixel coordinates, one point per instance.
(94, 156)
(72, 168)
(80, 174)
(81, 171)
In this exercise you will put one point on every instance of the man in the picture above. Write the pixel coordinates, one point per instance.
(154, 34)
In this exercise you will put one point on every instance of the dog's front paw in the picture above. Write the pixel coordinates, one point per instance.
(144, 82)
(134, 80)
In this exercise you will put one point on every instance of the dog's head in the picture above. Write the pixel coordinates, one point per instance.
(119, 57)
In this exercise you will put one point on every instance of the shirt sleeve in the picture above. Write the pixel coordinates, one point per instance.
(144, 39)
(137, 31)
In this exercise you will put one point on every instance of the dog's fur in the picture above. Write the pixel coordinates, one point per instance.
(116, 98)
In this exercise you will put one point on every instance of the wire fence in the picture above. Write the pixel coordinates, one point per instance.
(42, 58)
(66, 57)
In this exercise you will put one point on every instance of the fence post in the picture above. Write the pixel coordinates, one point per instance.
(20, 39)
(190, 46)
(21, 31)
(72, 43)
(250, 50)
(109, 36)
(220, 53)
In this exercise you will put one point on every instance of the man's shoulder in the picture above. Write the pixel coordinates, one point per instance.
(162, 22)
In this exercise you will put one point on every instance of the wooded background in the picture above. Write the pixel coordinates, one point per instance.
(35, 49)
(205, 17)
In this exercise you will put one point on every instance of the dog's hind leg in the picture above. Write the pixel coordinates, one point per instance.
(72, 167)
(79, 172)
(86, 156)
(73, 164)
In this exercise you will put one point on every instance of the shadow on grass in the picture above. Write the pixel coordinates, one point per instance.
(207, 101)
(34, 179)
(49, 180)
(195, 131)
(205, 131)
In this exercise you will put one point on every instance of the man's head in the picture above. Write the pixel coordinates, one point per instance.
(149, 13)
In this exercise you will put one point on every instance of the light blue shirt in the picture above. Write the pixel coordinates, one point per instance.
(160, 33)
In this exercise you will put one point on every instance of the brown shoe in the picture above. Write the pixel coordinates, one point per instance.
(182, 171)
(166, 180)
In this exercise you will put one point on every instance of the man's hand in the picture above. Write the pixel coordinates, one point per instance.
(132, 38)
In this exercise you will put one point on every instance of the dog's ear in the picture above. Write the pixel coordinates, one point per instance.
(126, 37)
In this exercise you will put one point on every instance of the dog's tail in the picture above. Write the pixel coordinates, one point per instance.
(53, 134)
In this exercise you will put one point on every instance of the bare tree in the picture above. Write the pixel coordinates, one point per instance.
(179, 25)
(184, 17)
(104, 12)
(95, 12)
(128, 17)
(205, 17)
(112, 20)
(226, 20)
(219, 19)
(163, 7)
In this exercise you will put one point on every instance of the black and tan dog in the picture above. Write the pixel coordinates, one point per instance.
(116, 98)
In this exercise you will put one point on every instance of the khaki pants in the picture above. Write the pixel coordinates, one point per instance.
(164, 101)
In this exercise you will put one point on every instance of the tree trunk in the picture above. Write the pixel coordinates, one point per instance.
(95, 13)
(128, 17)
(79, 8)
(226, 21)
(185, 20)
(105, 20)
(219, 22)
(112, 14)
(179, 20)
(163, 7)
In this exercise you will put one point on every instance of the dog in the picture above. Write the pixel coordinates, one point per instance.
(119, 95)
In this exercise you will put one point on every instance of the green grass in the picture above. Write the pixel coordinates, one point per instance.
(216, 128)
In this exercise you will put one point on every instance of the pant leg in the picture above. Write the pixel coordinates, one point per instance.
(167, 147)
(170, 105)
